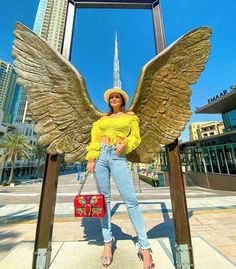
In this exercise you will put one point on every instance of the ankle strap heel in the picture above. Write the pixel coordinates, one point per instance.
(141, 258)
(107, 260)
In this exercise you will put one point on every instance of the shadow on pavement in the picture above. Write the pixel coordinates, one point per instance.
(165, 229)
(93, 232)
(162, 230)
(18, 215)
(7, 239)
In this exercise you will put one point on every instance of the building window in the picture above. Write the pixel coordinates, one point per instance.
(214, 160)
(207, 160)
(201, 163)
(230, 158)
(222, 160)
(229, 119)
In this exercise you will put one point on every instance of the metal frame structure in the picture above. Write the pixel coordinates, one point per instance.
(154, 5)
(42, 250)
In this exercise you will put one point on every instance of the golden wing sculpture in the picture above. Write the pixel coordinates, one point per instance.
(63, 113)
(56, 94)
(162, 97)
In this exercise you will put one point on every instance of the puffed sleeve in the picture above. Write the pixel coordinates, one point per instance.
(133, 139)
(93, 148)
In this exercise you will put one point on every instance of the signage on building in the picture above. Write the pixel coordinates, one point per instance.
(217, 96)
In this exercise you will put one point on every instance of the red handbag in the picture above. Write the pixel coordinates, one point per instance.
(89, 205)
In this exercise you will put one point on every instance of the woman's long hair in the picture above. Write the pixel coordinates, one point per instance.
(123, 109)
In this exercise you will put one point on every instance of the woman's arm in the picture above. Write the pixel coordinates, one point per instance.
(93, 148)
(91, 166)
(132, 141)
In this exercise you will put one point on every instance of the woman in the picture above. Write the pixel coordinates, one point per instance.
(113, 136)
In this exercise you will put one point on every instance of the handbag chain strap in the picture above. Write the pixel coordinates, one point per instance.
(82, 185)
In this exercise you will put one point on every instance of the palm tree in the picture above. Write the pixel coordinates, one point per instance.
(39, 152)
(16, 147)
(2, 163)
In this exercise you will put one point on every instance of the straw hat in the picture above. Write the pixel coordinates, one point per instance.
(108, 92)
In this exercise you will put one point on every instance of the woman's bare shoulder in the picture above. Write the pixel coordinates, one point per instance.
(131, 113)
(104, 117)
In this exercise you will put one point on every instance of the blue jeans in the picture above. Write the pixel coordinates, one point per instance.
(111, 163)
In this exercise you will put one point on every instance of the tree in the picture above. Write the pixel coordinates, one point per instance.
(2, 163)
(16, 147)
(40, 153)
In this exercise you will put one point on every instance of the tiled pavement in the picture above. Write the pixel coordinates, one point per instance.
(212, 217)
(216, 228)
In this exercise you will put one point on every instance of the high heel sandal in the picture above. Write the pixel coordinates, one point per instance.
(106, 260)
(140, 256)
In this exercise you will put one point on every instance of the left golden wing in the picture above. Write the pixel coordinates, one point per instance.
(57, 95)
(162, 97)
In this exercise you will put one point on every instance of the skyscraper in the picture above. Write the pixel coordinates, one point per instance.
(50, 21)
(7, 89)
(49, 24)
(116, 66)
(21, 105)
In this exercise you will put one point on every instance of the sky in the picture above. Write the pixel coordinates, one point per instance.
(93, 44)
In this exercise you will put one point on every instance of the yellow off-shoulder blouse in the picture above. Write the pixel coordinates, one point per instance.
(124, 126)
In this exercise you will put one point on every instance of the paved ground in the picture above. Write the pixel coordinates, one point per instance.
(212, 215)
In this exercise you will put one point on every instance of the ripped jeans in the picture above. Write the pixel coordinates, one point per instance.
(111, 163)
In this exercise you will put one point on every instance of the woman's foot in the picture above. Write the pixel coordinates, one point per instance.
(146, 257)
(106, 258)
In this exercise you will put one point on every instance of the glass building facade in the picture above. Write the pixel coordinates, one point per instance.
(229, 119)
(49, 24)
(7, 89)
(18, 115)
(212, 158)
(50, 21)
(216, 154)
(39, 16)
(210, 155)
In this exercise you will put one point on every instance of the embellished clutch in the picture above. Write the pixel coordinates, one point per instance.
(89, 205)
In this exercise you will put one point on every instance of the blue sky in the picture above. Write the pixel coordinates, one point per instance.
(93, 44)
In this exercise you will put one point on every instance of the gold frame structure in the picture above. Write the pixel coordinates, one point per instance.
(182, 251)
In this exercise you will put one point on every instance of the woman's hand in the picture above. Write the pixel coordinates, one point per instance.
(120, 148)
(91, 166)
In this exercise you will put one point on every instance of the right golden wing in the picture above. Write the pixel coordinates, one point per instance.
(56, 93)
(162, 97)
